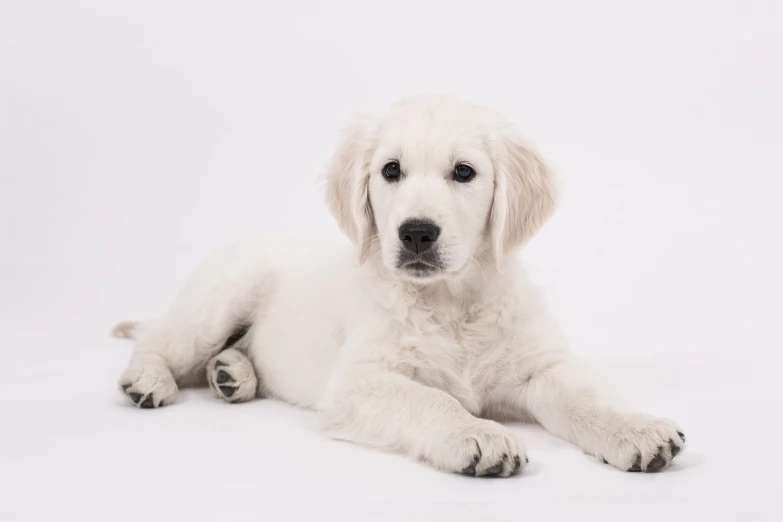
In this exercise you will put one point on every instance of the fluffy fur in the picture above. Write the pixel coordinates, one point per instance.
(409, 360)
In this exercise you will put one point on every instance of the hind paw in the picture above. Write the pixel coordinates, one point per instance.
(150, 386)
(231, 376)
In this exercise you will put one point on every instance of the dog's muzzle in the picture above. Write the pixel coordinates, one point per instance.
(419, 253)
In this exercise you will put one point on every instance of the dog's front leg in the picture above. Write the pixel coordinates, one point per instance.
(388, 410)
(562, 397)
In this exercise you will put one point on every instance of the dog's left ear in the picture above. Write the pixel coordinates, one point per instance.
(347, 183)
(524, 195)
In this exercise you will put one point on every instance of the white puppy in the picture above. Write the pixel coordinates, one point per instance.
(411, 343)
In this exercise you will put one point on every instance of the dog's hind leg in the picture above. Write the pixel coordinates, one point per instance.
(212, 313)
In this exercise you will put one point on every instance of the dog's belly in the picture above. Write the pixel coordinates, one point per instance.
(294, 365)
(298, 332)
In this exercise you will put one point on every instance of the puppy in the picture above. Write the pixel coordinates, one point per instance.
(413, 340)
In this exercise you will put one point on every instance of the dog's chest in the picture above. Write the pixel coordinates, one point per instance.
(452, 347)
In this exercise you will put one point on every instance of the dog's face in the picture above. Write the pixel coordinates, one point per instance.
(430, 190)
(436, 185)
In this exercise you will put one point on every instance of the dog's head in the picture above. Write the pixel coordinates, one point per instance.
(437, 184)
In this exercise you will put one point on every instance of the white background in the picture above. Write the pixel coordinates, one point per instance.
(137, 137)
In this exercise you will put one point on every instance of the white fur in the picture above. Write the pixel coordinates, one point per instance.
(414, 363)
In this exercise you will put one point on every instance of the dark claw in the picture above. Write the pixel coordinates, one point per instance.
(637, 465)
(470, 470)
(527, 460)
(517, 463)
(494, 470)
(657, 463)
(223, 377)
(228, 391)
(682, 435)
(135, 397)
(605, 462)
(147, 402)
(125, 387)
(675, 449)
(218, 364)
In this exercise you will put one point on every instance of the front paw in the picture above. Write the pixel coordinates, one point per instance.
(484, 448)
(641, 443)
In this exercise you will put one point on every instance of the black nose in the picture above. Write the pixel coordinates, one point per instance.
(418, 235)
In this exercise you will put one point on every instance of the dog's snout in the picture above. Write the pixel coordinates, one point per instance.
(418, 235)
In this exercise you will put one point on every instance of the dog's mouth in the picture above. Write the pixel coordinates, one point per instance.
(420, 266)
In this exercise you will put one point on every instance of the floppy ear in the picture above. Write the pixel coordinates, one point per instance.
(524, 196)
(347, 184)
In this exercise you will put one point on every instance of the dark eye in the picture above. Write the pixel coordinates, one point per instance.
(391, 171)
(464, 173)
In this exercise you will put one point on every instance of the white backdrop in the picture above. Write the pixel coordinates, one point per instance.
(137, 137)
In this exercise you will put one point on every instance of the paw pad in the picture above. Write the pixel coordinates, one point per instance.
(223, 377)
(227, 391)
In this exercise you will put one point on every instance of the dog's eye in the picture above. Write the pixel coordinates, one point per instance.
(391, 171)
(464, 173)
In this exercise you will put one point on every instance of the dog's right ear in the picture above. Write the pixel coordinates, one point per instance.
(347, 183)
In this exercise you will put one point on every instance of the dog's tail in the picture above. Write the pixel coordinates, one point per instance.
(125, 330)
